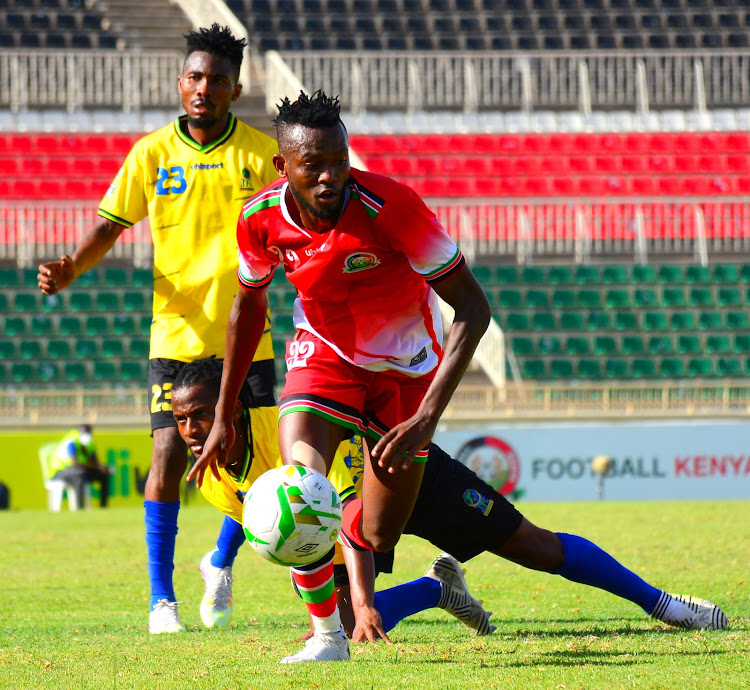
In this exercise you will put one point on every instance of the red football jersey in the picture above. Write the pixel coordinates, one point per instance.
(363, 286)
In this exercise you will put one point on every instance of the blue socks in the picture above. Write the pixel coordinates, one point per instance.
(161, 532)
(228, 544)
(586, 563)
(405, 600)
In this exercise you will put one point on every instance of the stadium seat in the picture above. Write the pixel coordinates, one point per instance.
(644, 297)
(9, 278)
(52, 303)
(123, 324)
(15, 326)
(70, 326)
(571, 321)
(560, 275)
(701, 297)
(134, 301)
(728, 297)
(549, 345)
(58, 349)
(589, 299)
(104, 371)
(41, 326)
(522, 347)
(543, 321)
(741, 343)
(632, 345)
(617, 299)
(589, 369)
(509, 299)
(534, 369)
(144, 324)
(25, 302)
(697, 274)
(139, 348)
(81, 301)
(700, 367)
(718, 343)
(506, 275)
(660, 344)
(563, 299)
(625, 321)
(643, 274)
(30, 349)
(643, 368)
(483, 274)
(604, 345)
(598, 321)
(108, 301)
(576, 345)
(615, 274)
(133, 371)
(48, 372)
(673, 297)
(688, 344)
(710, 320)
(671, 367)
(96, 325)
(729, 366)
(86, 348)
(561, 369)
(112, 347)
(670, 273)
(536, 299)
(143, 277)
(22, 372)
(616, 369)
(587, 275)
(74, 372)
(738, 320)
(517, 321)
(533, 274)
(682, 321)
(726, 273)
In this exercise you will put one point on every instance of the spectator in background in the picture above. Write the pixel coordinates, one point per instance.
(75, 462)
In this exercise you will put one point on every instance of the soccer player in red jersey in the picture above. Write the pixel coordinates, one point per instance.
(369, 260)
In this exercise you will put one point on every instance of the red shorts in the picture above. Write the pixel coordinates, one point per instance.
(368, 402)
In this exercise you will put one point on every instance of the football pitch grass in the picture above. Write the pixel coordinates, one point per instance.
(73, 610)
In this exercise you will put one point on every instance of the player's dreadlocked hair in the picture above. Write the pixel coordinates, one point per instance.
(206, 370)
(217, 40)
(314, 111)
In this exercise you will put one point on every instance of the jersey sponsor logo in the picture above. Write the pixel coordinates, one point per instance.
(206, 166)
(170, 181)
(246, 181)
(474, 499)
(360, 261)
(493, 461)
(418, 359)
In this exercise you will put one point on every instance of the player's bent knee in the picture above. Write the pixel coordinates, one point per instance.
(381, 539)
(533, 547)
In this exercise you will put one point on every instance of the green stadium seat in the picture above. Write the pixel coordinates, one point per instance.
(22, 372)
(700, 367)
(726, 273)
(536, 299)
(3, 302)
(589, 369)
(671, 367)
(741, 343)
(115, 277)
(81, 301)
(701, 297)
(15, 326)
(598, 321)
(746, 366)
(643, 274)
(587, 275)
(744, 273)
(616, 369)
(517, 321)
(4, 372)
(89, 279)
(710, 321)
(617, 299)
(728, 366)
(655, 321)
(58, 349)
(561, 369)
(559, 275)
(104, 371)
(25, 302)
(139, 347)
(644, 368)
(625, 321)
(632, 345)
(543, 321)
(143, 277)
(533, 274)
(509, 299)
(7, 350)
(615, 274)
(534, 369)
(688, 344)
(604, 345)
(274, 299)
(283, 324)
(589, 299)
(133, 300)
(673, 297)
(133, 371)
(96, 325)
(549, 345)
(48, 372)
(563, 299)
(728, 297)
(30, 279)
(682, 321)
(697, 274)
(123, 325)
(112, 347)
(85, 348)
(30, 349)
(75, 372)
(506, 275)
(70, 326)
(522, 347)
(644, 297)
(738, 320)
(52, 303)
(8, 278)
(108, 301)
(288, 298)
(718, 344)
(144, 325)
(571, 321)
(483, 274)
(660, 345)
(576, 345)
(670, 273)
(41, 326)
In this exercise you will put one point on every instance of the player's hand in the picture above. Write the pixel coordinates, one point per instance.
(369, 626)
(215, 451)
(56, 275)
(396, 449)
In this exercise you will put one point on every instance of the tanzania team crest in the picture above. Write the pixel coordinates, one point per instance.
(360, 261)
(493, 461)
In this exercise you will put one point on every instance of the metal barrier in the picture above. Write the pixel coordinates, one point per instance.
(620, 79)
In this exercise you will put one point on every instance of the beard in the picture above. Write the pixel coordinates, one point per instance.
(327, 214)
(201, 122)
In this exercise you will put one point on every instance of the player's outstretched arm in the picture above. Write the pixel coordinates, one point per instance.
(461, 290)
(247, 321)
(57, 275)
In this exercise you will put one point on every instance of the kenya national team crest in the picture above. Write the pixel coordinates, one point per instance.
(493, 461)
(360, 261)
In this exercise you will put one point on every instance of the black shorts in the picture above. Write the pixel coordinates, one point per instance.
(261, 382)
(383, 564)
(458, 512)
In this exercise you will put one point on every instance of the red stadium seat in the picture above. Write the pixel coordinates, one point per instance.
(535, 143)
(712, 163)
(564, 185)
(581, 164)
(617, 184)
(108, 166)
(670, 184)
(77, 189)
(528, 165)
(713, 142)
(486, 186)
(25, 188)
(688, 142)
(661, 142)
(560, 143)
(478, 143)
(660, 163)
(20, 144)
(9, 166)
(120, 143)
(644, 185)
(30, 166)
(502, 165)
(539, 186)
(555, 165)
(612, 142)
(435, 143)
(634, 164)
(607, 163)
(5, 187)
(58, 166)
(591, 185)
(738, 163)
(637, 142)
(587, 143)
(686, 163)
(738, 142)
(46, 144)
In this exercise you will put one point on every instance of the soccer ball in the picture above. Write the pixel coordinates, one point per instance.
(292, 515)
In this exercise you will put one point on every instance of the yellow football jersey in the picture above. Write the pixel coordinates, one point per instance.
(193, 196)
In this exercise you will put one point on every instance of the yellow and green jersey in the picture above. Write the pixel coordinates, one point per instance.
(193, 196)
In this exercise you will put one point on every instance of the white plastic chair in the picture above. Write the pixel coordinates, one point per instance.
(56, 487)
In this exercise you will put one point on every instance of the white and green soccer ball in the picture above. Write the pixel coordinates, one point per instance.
(292, 515)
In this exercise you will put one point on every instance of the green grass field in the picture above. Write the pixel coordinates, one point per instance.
(73, 610)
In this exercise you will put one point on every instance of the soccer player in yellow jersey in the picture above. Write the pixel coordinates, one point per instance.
(190, 179)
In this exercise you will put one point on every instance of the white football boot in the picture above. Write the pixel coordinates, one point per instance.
(164, 618)
(692, 614)
(455, 597)
(322, 647)
(216, 606)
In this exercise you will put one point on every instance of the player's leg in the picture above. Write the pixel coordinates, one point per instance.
(162, 497)
(76, 476)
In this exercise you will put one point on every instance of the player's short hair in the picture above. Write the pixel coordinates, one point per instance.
(316, 111)
(217, 40)
(207, 370)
